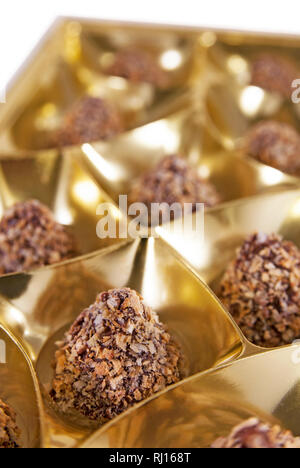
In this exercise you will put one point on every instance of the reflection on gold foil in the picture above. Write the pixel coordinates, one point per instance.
(57, 182)
(116, 82)
(204, 172)
(47, 117)
(295, 210)
(227, 226)
(51, 299)
(72, 64)
(62, 210)
(238, 104)
(158, 131)
(107, 59)
(86, 192)
(111, 171)
(171, 59)
(271, 176)
(237, 65)
(251, 100)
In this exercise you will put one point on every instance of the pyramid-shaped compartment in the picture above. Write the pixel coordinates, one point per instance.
(61, 184)
(225, 229)
(137, 157)
(40, 307)
(253, 81)
(72, 62)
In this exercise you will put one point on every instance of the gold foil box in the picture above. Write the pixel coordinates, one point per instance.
(68, 66)
(199, 117)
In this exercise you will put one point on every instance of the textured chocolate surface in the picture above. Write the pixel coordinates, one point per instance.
(117, 353)
(138, 66)
(9, 431)
(274, 73)
(253, 434)
(274, 143)
(90, 119)
(261, 290)
(173, 181)
(30, 238)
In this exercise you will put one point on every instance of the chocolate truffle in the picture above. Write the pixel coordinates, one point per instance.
(254, 434)
(173, 181)
(261, 289)
(138, 66)
(117, 353)
(9, 431)
(90, 119)
(274, 143)
(30, 238)
(274, 73)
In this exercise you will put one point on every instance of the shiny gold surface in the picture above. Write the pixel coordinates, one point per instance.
(191, 128)
(202, 115)
(19, 389)
(62, 184)
(226, 227)
(69, 65)
(39, 306)
(116, 164)
(232, 103)
(206, 407)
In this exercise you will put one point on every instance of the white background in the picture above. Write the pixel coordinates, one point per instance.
(22, 22)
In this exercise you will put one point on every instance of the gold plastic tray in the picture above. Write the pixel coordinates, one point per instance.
(229, 59)
(226, 227)
(69, 65)
(200, 116)
(38, 307)
(61, 183)
(208, 406)
(20, 389)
